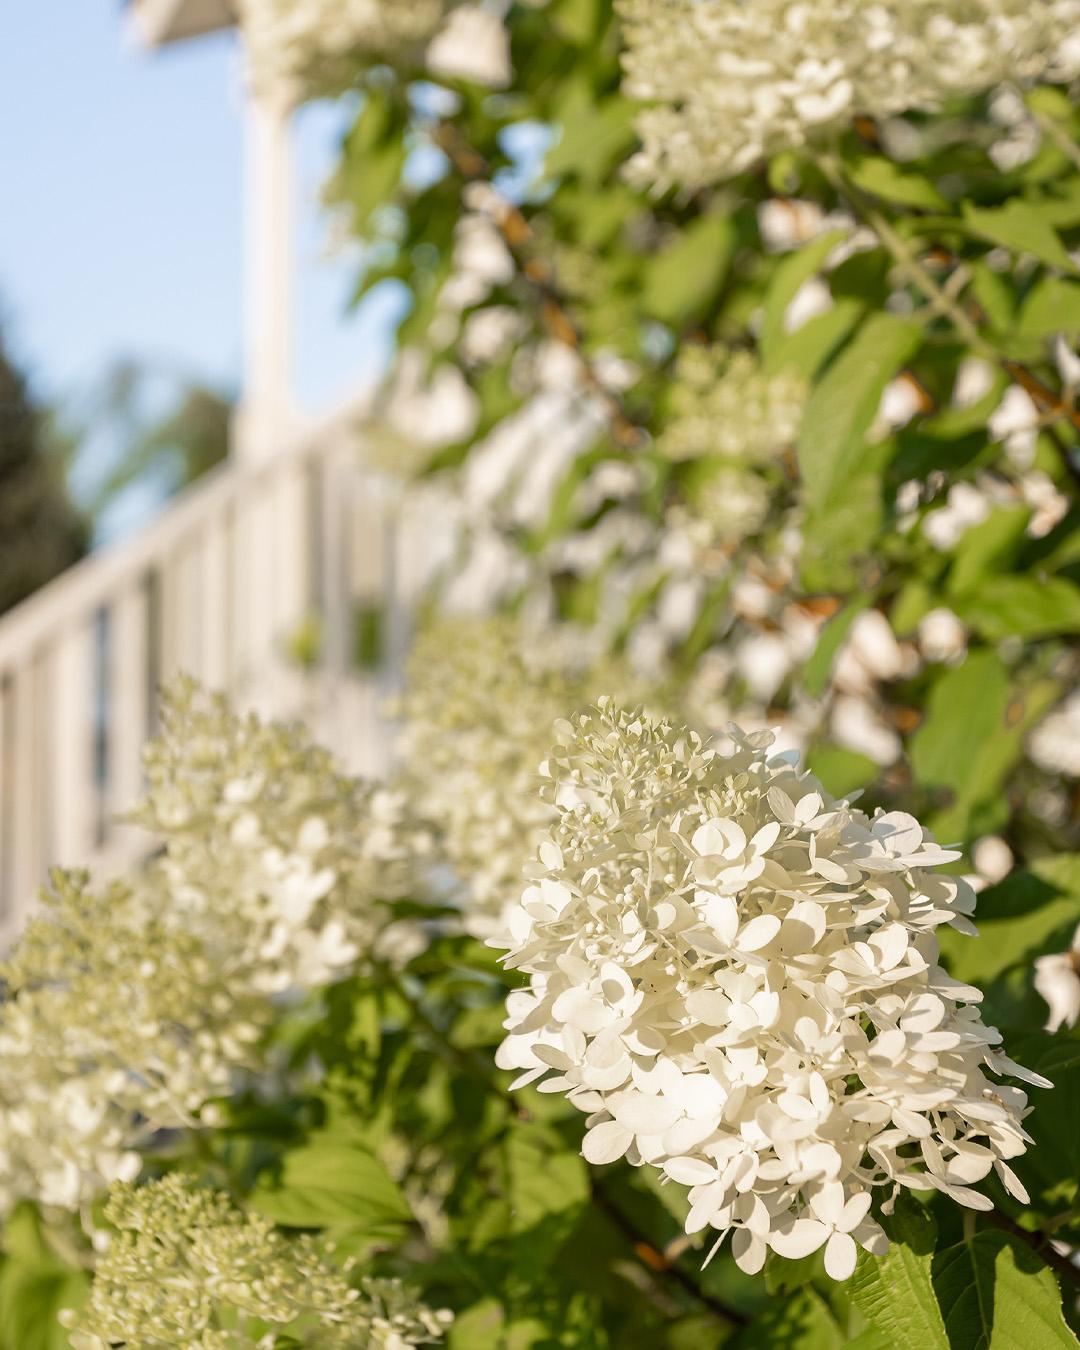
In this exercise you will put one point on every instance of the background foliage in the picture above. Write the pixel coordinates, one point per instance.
(905, 607)
(41, 532)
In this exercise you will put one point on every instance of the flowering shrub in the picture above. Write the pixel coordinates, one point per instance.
(482, 697)
(764, 378)
(303, 850)
(740, 349)
(132, 1005)
(736, 975)
(185, 1267)
(737, 978)
(120, 1023)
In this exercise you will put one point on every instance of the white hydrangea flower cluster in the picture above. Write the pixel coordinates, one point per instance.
(270, 851)
(733, 82)
(733, 422)
(187, 1268)
(132, 1005)
(483, 696)
(118, 1023)
(737, 978)
(316, 43)
(723, 404)
(730, 505)
(1054, 745)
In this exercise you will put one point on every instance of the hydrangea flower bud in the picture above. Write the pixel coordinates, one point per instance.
(185, 1267)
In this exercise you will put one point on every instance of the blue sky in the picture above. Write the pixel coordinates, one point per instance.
(120, 223)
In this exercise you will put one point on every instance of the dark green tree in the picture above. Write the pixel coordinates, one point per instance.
(41, 531)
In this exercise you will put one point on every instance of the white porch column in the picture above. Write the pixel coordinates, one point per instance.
(267, 416)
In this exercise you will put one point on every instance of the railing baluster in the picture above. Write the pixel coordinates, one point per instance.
(8, 789)
(214, 596)
(334, 589)
(217, 585)
(188, 621)
(71, 717)
(29, 842)
(127, 712)
(169, 607)
(363, 563)
(251, 582)
(292, 557)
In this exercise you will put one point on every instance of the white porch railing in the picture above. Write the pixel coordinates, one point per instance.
(215, 587)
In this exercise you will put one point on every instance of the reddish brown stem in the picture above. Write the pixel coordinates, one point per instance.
(555, 316)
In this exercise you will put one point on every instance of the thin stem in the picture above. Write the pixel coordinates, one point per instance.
(658, 1263)
(67, 1249)
(644, 1249)
(946, 305)
(1058, 135)
(452, 1054)
(555, 316)
(1072, 467)
(1066, 1216)
(939, 300)
(1039, 1243)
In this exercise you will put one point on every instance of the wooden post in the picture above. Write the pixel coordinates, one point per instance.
(266, 416)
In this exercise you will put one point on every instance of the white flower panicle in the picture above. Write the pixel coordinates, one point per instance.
(1054, 745)
(131, 1006)
(733, 422)
(270, 851)
(117, 1024)
(724, 405)
(185, 1267)
(732, 82)
(482, 698)
(737, 978)
(320, 43)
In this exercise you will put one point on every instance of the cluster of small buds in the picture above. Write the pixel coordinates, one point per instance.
(736, 978)
(185, 1267)
(394, 1320)
(118, 1024)
(482, 698)
(733, 82)
(724, 405)
(729, 505)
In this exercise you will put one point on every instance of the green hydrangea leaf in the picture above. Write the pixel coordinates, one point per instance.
(1022, 227)
(845, 402)
(894, 1292)
(330, 1182)
(995, 1295)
